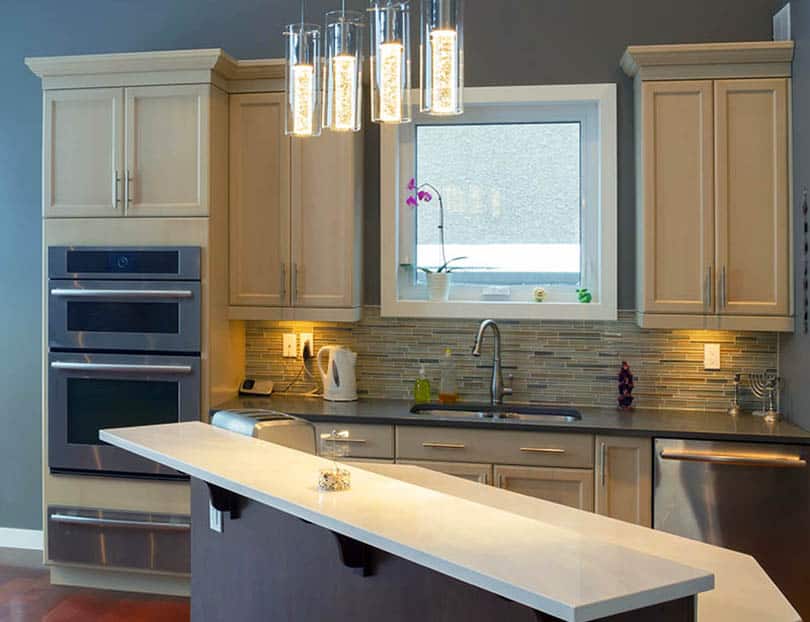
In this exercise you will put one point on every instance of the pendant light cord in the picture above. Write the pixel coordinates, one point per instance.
(302, 15)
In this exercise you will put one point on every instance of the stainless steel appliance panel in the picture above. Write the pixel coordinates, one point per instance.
(129, 263)
(749, 497)
(124, 315)
(88, 392)
(114, 538)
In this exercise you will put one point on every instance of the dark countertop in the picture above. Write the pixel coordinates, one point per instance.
(640, 422)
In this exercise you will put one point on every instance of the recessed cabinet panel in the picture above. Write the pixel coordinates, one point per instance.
(481, 473)
(571, 487)
(259, 201)
(83, 153)
(624, 479)
(167, 150)
(326, 202)
(678, 245)
(752, 197)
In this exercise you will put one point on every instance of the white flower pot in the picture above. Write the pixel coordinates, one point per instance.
(438, 286)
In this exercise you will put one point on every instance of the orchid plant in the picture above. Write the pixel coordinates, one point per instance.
(422, 194)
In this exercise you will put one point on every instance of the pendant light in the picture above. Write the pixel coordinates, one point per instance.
(303, 80)
(344, 70)
(442, 57)
(390, 25)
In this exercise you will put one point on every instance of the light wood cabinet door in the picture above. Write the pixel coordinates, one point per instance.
(326, 220)
(259, 201)
(167, 144)
(624, 479)
(678, 197)
(572, 487)
(753, 239)
(83, 153)
(475, 472)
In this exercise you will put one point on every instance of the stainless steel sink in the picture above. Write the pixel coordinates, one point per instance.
(503, 411)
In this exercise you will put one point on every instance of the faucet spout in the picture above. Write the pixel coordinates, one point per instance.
(496, 389)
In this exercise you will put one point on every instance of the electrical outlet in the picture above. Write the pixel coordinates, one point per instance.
(711, 356)
(307, 338)
(290, 349)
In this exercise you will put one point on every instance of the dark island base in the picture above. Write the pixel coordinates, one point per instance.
(267, 565)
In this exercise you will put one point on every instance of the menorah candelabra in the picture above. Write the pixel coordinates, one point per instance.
(765, 386)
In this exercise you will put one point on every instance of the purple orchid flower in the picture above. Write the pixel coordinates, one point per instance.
(411, 201)
(412, 184)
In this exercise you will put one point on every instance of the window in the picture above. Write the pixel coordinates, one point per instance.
(522, 189)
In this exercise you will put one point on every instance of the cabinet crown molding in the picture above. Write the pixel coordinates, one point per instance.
(170, 67)
(709, 60)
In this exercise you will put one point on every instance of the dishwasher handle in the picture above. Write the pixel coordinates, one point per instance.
(735, 458)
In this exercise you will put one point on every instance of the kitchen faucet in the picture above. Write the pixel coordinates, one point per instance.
(496, 388)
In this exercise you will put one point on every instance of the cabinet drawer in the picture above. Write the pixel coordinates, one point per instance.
(134, 540)
(362, 441)
(495, 446)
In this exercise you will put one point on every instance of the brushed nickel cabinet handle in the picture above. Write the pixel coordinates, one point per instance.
(434, 445)
(295, 283)
(736, 459)
(283, 280)
(116, 184)
(542, 450)
(337, 439)
(603, 463)
(723, 292)
(129, 188)
(707, 287)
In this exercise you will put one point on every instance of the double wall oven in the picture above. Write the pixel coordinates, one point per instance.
(123, 350)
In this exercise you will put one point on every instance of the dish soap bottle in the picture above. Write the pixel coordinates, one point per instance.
(448, 386)
(421, 388)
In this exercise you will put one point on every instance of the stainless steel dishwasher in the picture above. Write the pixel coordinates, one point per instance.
(749, 497)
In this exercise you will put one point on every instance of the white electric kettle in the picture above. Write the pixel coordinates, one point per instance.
(339, 380)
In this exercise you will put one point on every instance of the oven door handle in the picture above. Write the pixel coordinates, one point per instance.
(71, 519)
(154, 294)
(736, 458)
(122, 368)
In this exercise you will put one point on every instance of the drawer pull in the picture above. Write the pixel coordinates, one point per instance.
(71, 519)
(433, 445)
(542, 450)
(337, 439)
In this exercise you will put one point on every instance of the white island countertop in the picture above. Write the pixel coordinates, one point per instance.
(540, 563)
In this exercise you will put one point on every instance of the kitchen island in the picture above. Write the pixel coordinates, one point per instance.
(410, 544)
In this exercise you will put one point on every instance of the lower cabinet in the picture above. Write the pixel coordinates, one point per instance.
(624, 478)
(475, 472)
(572, 487)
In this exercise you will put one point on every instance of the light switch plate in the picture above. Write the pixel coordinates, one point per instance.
(711, 356)
(289, 346)
(307, 338)
(214, 518)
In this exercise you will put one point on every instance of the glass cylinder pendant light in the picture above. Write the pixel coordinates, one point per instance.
(442, 57)
(303, 80)
(390, 23)
(344, 70)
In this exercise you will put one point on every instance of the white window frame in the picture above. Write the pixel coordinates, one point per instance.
(396, 167)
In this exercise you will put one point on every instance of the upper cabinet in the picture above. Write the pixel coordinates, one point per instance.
(83, 152)
(139, 151)
(295, 214)
(712, 170)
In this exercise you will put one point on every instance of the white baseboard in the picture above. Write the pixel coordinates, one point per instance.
(20, 538)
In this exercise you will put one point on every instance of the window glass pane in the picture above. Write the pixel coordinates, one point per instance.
(511, 201)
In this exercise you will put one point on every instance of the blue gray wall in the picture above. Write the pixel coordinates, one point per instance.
(795, 349)
(508, 42)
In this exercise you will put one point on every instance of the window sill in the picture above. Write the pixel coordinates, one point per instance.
(499, 310)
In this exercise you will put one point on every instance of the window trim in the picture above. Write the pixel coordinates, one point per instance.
(396, 158)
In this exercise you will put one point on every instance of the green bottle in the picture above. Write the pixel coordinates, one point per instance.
(421, 388)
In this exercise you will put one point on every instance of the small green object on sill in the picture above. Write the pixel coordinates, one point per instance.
(584, 295)
(539, 294)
